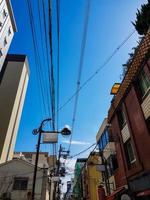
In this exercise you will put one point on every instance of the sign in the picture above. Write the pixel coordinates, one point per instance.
(100, 168)
(50, 137)
(55, 179)
(115, 88)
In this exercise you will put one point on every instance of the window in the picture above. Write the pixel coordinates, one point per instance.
(9, 31)
(4, 13)
(5, 41)
(122, 119)
(144, 83)
(130, 156)
(104, 140)
(20, 183)
(112, 164)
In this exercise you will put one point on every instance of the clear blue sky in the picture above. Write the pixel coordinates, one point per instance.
(109, 24)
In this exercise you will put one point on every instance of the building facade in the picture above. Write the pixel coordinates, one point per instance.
(77, 188)
(16, 179)
(129, 116)
(107, 154)
(91, 177)
(13, 85)
(7, 28)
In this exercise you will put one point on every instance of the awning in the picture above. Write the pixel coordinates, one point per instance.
(112, 196)
(143, 193)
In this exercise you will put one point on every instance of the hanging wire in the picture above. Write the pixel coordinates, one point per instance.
(83, 45)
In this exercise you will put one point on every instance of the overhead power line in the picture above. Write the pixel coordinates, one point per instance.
(58, 56)
(52, 64)
(81, 152)
(83, 45)
(36, 52)
(47, 93)
(97, 71)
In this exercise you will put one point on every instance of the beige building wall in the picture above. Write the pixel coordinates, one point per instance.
(13, 86)
(22, 169)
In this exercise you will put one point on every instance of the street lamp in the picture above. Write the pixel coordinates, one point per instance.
(65, 131)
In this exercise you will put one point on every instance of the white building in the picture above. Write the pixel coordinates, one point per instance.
(13, 85)
(7, 28)
(16, 179)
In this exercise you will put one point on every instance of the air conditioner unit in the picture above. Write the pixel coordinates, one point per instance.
(6, 196)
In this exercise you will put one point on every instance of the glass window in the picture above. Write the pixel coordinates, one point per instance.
(20, 184)
(4, 13)
(144, 83)
(122, 119)
(9, 31)
(104, 140)
(5, 41)
(129, 152)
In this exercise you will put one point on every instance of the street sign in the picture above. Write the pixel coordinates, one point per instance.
(100, 168)
(50, 137)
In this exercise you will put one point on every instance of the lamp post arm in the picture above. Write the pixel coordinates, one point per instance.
(37, 156)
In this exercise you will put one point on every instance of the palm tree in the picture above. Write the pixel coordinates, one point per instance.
(142, 21)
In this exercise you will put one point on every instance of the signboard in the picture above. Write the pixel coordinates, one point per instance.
(55, 179)
(100, 168)
(50, 137)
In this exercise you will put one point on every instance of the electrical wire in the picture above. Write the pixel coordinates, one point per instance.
(58, 56)
(52, 65)
(83, 45)
(36, 52)
(45, 64)
(47, 50)
(90, 78)
(81, 152)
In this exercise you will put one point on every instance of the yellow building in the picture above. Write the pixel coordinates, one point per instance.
(91, 177)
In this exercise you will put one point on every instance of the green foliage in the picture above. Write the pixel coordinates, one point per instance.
(130, 59)
(142, 21)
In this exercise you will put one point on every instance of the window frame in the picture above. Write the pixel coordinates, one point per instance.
(141, 78)
(128, 154)
(122, 118)
(20, 185)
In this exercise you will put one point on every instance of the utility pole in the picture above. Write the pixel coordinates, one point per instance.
(106, 179)
(62, 152)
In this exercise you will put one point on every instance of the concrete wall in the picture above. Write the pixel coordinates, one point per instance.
(12, 95)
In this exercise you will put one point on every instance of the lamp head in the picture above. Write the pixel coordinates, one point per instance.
(66, 130)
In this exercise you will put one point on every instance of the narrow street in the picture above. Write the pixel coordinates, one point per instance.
(74, 100)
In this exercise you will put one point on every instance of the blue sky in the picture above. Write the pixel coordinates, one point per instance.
(109, 24)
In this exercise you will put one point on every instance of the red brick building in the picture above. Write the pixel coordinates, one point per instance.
(129, 116)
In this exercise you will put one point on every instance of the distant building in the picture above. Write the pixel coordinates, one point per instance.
(7, 28)
(91, 177)
(13, 85)
(129, 116)
(45, 160)
(16, 179)
(107, 153)
(77, 188)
